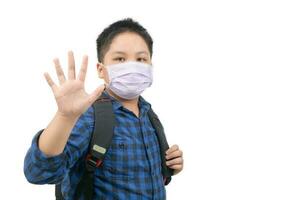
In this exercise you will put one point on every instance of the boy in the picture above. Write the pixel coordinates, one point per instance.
(131, 167)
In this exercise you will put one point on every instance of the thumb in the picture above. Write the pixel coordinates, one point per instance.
(96, 93)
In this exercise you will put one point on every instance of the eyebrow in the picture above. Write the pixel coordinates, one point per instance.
(142, 52)
(118, 52)
(121, 52)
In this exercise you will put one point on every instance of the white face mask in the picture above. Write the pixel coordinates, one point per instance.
(129, 79)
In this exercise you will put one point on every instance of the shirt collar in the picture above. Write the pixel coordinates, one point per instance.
(144, 106)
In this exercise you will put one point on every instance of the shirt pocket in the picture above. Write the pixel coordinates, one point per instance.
(118, 161)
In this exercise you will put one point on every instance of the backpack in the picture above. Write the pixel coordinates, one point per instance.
(101, 140)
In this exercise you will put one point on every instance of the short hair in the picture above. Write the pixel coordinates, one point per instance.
(105, 38)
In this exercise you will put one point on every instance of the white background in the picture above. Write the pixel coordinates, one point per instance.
(223, 87)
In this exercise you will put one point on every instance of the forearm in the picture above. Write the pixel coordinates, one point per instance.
(39, 168)
(54, 138)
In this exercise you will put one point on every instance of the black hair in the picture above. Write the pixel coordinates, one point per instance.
(105, 38)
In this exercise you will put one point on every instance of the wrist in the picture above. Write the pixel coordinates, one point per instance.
(64, 117)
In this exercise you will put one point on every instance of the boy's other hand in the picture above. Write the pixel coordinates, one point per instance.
(174, 157)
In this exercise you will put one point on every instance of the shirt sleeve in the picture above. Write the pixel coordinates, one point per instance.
(42, 169)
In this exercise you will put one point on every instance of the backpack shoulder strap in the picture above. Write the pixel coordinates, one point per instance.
(103, 130)
(100, 141)
(163, 144)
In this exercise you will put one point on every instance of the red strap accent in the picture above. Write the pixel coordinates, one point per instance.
(97, 163)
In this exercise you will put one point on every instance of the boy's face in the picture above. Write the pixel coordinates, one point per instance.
(125, 47)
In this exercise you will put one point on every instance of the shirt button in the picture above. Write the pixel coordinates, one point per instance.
(112, 169)
(121, 145)
(147, 146)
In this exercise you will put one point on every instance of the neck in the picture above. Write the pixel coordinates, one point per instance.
(130, 104)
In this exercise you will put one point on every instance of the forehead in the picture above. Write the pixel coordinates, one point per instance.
(128, 42)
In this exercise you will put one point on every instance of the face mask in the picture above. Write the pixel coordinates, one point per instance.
(129, 79)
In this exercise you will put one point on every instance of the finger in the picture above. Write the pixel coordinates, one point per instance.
(59, 71)
(175, 161)
(83, 70)
(71, 66)
(175, 154)
(177, 167)
(50, 81)
(173, 148)
(96, 93)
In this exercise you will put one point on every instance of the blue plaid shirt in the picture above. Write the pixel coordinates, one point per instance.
(131, 168)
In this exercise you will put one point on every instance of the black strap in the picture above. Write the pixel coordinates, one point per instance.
(58, 193)
(101, 140)
(103, 128)
(166, 171)
(85, 187)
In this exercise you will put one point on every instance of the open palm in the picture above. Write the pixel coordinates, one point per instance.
(71, 98)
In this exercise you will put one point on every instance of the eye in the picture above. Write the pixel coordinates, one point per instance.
(119, 59)
(142, 60)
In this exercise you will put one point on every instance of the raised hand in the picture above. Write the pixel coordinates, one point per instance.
(70, 95)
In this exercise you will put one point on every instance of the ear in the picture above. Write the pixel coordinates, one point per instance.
(100, 70)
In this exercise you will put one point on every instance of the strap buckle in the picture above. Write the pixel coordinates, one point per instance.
(92, 161)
